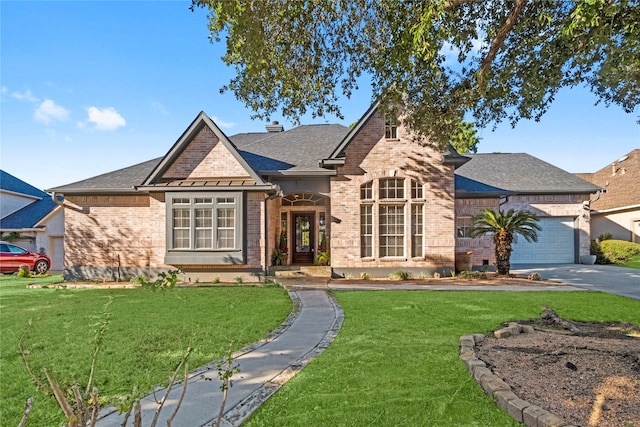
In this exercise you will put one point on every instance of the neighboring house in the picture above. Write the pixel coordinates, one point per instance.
(377, 199)
(31, 219)
(617, 210)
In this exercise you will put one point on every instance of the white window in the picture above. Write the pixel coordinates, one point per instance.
(366, 231)
(204, 223)
(416, 229)
(391, 230)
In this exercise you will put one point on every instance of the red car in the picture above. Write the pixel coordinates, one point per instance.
(12, 257)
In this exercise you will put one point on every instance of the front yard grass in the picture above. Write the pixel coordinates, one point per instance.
(147, 336)
(395, 361)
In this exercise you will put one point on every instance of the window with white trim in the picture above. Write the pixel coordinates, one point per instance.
(204, 228)
(366, 231)
(391, 230)
(390, 224)
(417, 229)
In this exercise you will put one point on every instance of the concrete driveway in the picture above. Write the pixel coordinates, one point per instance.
(606, 278)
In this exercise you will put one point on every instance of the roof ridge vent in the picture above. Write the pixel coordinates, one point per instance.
(275, 127)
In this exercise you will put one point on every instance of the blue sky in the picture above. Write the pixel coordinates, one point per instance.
(89, 87)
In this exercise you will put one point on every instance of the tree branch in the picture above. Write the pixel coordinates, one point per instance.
(450, 4)
(498, 40)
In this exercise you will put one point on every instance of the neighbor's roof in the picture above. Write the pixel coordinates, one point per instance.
(621, 180)
(9, 182)
(31, 214)
(498, 174)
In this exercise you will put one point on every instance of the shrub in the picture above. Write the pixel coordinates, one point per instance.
(401, 275)
(618, 251)
(605, 236)
(469, 275)
(24, 271)
(364, 276)
(322, 258)
(140, 279)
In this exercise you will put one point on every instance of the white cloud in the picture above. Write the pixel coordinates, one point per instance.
(4, 89)
(105, 118)
(25, 96)
(48, 111)
(223, 124)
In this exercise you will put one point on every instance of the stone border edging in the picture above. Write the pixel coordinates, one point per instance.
(500, 391)
(236, 415)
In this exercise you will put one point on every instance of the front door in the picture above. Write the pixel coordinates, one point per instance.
(303, 233)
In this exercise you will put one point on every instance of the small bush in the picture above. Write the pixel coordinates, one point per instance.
(24, 271)
(322, 258)
(469, 275)
(605, 236)
(140, 279)
(401, 275)
(618, 251)
(364, 276)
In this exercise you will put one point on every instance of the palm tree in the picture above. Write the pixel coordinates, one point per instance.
(504, 226)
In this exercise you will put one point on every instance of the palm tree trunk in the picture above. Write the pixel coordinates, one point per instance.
(503, 240)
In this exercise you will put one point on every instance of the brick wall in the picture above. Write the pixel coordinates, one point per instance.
(99, 230)
(369, 157)
(205, 157)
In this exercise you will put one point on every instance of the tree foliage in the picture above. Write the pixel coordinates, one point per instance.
(503, 226)
(434, 60)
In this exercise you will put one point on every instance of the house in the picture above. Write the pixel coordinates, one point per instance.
(617, 210)
(31, 219)
(372, 195)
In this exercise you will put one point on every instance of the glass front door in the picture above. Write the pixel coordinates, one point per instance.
(303, 233)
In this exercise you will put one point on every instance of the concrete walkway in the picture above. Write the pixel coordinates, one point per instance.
(264, 367)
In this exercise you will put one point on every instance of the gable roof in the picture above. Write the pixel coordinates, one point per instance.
(450, 155)
(28, 216)
(183, 142)
(621, 179)
(502, 174)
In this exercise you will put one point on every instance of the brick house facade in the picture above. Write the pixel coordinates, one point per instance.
(371, 195)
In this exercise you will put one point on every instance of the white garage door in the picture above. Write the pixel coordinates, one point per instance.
(555, 245)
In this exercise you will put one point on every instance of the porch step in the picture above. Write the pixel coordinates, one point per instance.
(302, 271)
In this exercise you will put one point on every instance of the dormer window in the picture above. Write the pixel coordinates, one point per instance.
(390, 127)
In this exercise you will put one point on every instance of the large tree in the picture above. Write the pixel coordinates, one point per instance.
(438, 61)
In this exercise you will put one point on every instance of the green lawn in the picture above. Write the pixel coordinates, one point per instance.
(146, 337)
(633, 262)
(395, 361)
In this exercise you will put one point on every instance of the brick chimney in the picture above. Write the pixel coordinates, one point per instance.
(275, 127)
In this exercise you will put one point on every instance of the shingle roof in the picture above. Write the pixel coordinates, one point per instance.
(622, 181)
(122, 179)
(300, 148)
(510, 173)
(11, 183)
(30, 215)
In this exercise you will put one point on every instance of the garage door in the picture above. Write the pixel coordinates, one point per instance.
(555, 245)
